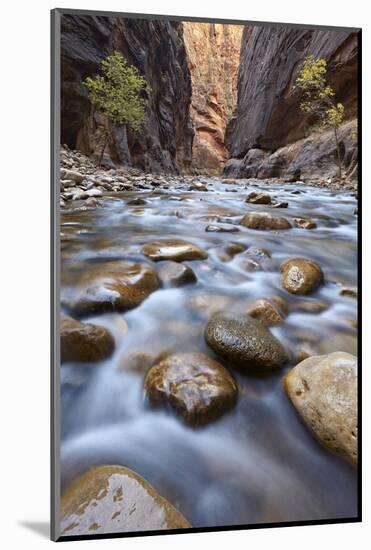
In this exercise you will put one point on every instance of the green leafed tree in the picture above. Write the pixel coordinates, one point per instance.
(318, 97)
(117, 93)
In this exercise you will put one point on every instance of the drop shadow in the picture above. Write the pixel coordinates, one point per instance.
(41, 528)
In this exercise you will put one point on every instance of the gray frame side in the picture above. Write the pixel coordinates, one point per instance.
(55, 277)
(161, 17)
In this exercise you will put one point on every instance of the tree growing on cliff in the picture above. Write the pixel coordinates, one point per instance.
(116, 93)
(318, 97)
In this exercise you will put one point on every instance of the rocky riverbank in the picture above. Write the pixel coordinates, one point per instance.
(230, 307)
(83, 179)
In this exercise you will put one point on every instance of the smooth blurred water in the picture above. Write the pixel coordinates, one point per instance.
(258, 463)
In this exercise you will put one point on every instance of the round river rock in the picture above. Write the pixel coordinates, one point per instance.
(245, 342)
(112, 286)
(84, 342)
(194, 385)
(323, 389)
(264, 221)
(114, 499)
(301, 276)
(176, 274)
(173, 249)
(266, 312)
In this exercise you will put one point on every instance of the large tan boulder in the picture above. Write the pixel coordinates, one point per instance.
(114, 499)
(323, 389)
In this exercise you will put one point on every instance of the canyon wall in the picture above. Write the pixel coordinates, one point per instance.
(213, 52)
(269, 136)
(157, 49)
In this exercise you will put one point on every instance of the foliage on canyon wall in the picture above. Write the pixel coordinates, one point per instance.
(156, 49)
(268, 116)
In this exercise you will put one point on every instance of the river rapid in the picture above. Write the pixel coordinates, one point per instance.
(258, 462)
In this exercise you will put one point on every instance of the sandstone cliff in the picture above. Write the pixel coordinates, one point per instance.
(213, 52)
(157, 49)
(268, 118)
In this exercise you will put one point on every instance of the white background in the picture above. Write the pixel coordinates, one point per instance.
(24, 252)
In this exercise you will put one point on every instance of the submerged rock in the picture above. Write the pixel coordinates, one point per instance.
(314, 306)
(351, 292)
(138, 201)
(228, 251)
(264, 221)
(114, 499)
(304, 223)
(258, 198)
(245, 342)
(176, 274)
(112, 286)
(207, 304)
(84, 342)
(280, 204)
(323, 389)
(249, 264)
(343, 341)
(301, 276)
(266, 312)
(222, 228)
(140, 361)
(173, 249)
(194, 385)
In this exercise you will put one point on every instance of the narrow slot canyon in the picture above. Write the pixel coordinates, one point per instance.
(213, 52)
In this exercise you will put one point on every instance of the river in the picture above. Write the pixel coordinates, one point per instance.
(258, 462)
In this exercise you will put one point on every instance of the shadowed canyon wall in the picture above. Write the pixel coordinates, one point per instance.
(157, 49)
(268, 135)
(213, 52)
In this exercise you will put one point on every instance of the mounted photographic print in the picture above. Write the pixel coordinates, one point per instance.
(205, 274)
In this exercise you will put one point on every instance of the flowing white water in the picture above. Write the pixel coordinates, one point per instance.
(258, 463)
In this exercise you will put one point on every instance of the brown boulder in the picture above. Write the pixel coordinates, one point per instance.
(258, 198)
(304, 223)
(114, 499)
(222, 228)
(266, 312)
(264, 221)
(173, 249)
(84, 342)
(195, 386)
(113, 286)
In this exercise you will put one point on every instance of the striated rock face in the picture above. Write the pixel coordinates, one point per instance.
(268, 117)
(213, 52)
(157, 49)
